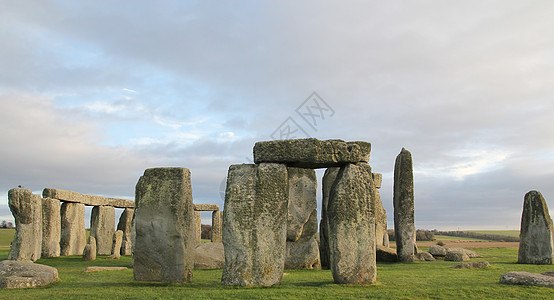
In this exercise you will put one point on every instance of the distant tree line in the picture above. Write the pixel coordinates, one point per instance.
(206, 232)
(6, 224)
(477, 235)
(421, 235)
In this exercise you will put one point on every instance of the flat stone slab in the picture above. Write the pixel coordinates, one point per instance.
(91, 200)
(101, 269)
(472, 265)
(24, 274)
(206, 207)
(526, 278)
(311, 153)
(209, 256)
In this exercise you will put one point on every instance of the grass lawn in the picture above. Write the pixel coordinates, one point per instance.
(419, 280)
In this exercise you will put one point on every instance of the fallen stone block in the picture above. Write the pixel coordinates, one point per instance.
(472, 265)
(209, 256)
(386, 254)
(456, 256)
(437, 251)
(423, 256)
(24, 274)
(526, 278)
(101, 269)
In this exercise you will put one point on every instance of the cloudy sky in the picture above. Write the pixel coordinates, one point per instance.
(92, 93)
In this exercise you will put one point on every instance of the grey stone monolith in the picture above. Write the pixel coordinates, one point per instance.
(536, 242)
(164, 225)
(254, 224)
(72, 239)
(352, 226)
(26, 209)
(311, 153)
(125, 225)
(89, 253)
(116, 245)
(51, 227)
(404, 228)
(304, 252)
(102, 227)
(197, 228)
(217, 224)
(302, 200)
(381, 234)
(327, 183)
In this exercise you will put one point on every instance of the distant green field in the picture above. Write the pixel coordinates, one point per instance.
(513, 233)
(454, 238)
(6, 236)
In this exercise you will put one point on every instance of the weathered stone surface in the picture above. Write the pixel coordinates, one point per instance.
(352, 226)
(197, 227)
(209, 256)
(102, 227)
(165, 238)
(548, 273)
(125, 224)
(302, 200)
(72, 240)
(377, 179)
(437, 251)
(536, 244)
(254, 231)
(101, 269)
(311, 153)
(91, 200)
(381, 233)
(23, 274)
(456, 256)
(26, 209)
(386, 254)
(526, 278)
(51, 227)
(423, 256)
(304, 252)
(206, 207)
(472, 265)
(89, 253)
(404, 227)
(469, 253)
(217, 226)
(327, 183)
(116, 245)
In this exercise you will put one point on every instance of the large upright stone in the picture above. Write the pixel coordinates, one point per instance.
(89, 253)
(102, 227)
(536, 243)
(352, 226)
(327, 183)
(404, 228)
(73, 235)
(116, 245)
(125, 225)
(311, 153)
(381, 234)
(197, 227)
(51, 227)
(254, 227)
(304, 252)
(217, 224)
(26, 209)
(302, 200)
(164, 245)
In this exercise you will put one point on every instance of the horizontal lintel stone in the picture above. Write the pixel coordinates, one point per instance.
(311, 152)
(206, 207)
(91, 200)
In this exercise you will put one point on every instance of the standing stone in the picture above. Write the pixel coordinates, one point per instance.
(72, 240)
(102, 227)
(304, 252)
(217, 226)
(125, 225)
(165, 238)
(381, 234)
(254, 224)
(302, 249)
(536, 234)
(197, 227)
(302, 200)
(352, 226)
(89, 254)
(327, 182)
(116, 245)
(26, 209)
(51, 227)
(404, 228)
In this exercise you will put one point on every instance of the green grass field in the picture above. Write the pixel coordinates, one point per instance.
(512, 233)
(419, 280)
(454, 238)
